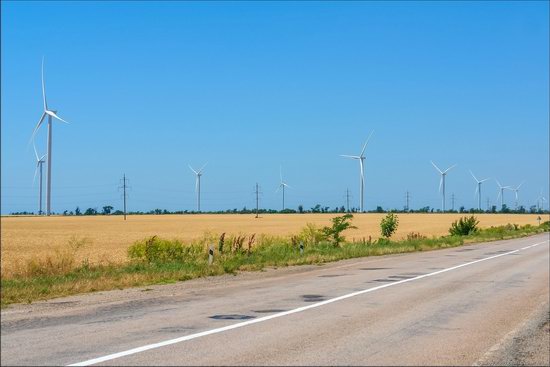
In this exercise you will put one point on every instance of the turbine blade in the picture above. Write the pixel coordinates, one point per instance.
(365, 146)
(197, 184)
(520, 185)
(200, 171)
(516, 191)
(37, 127)
(362, 169)
(57, 117)
(35, 172)
(475, 178)
(498, 183)
(440, 183)
(477, 189)
(35, 152)
(191, 168)
(44, 87)
(487, 179)
(350, 156)
(450, 168)
(436, 167)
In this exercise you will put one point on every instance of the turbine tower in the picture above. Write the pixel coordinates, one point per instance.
(478, 189)
(39, 162)
(361, 157)
(50, 113)
(442, 181)
(516, 191)
(282, 185)
(198, 185)
(501, 193)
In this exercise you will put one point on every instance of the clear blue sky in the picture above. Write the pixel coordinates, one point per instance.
(249, 86)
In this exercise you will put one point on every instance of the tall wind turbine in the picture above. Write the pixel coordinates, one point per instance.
(442, 181)
(50, 113)
(361, 157)
(282, 186)
(540, 201)
(478, 189)
(501, 193)
(198, 185)
(39, 162)
(516, 191)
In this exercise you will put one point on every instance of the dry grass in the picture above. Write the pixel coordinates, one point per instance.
(105, 239)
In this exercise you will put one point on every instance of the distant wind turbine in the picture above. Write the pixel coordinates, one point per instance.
(361, 157)
(50, 114)
(478, 189)
(501, 193)
(198, 174)
(39, 163)
(540, 201)
(516, 191)
(282, 186)
(442, 181)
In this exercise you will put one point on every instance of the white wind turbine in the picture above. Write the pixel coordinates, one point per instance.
(501, 193)
(282, 186)
(198, 185)
(442, 181)
(361, 157)
(540, 201)
(478, 189)
(50, 114)
(516, 191)
(39, 162)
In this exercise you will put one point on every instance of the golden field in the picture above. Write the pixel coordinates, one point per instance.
(108, 237)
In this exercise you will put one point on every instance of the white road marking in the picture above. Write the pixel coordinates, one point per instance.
(285, 313)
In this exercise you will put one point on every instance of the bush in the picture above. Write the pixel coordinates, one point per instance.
(311, 234)
(339, 224)
(389, 224)
(156, 250)
(465, 226)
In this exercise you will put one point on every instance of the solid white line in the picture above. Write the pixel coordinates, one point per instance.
(285, 313)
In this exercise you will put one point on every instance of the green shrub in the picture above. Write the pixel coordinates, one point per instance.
(311, 234)
(339, 224)
(157, 250)
(465, 226)
(389, 224)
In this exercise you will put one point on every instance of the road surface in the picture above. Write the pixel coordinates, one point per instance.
(477, 304)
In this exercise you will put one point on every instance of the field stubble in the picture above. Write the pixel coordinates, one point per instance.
(105, 239)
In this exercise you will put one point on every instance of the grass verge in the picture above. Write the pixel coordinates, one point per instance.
(58, 275)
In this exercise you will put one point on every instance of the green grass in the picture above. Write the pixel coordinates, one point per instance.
(53, 278)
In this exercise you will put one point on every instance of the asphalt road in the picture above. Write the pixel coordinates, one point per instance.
(461, 306)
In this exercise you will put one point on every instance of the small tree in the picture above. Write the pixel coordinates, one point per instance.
(464, 226)
(107, 209)
(389, 224)
(339, 224)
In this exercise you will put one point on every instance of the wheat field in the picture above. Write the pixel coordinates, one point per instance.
(108, 237)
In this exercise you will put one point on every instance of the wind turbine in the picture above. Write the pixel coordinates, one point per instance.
(282, 186)
(516, 190)
(540, 201)
(442, 181)
(501, 193)
(50, 113)
(198, 185)
(478, 188)
(39, 162)
(361, 157)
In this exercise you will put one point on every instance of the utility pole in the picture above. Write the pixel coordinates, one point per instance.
(453, 201)
(124, 186)
(347, 200)
(407, 198)
(257, 192)
(488, 205)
